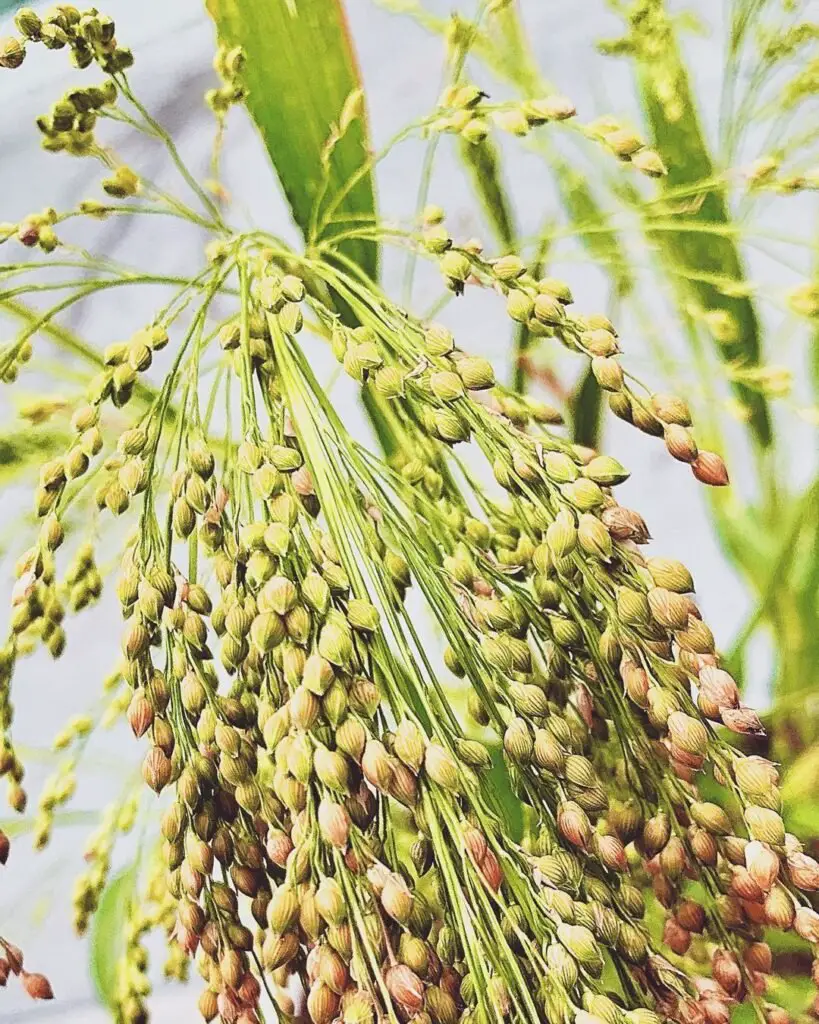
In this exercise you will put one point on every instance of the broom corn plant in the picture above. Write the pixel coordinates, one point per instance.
(330, 845)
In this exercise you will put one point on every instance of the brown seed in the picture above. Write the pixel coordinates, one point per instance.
(573, 824)
(612, 853)
(680, 443)
(5, 847)
(762, 864)
(726, 971)
(677, 938)
(803, 871)
(279, 846)
(716, 1012)
(758, 957)
(229, 1006)
(14, 956)
(491, 871)
(140, 714)
(624, 524)
(709, 469)
(405, 987)
(806, 924)
(744, 886)
(691, 915)
(779, 908)
(36, 986)
(743, 720)
(157, 769)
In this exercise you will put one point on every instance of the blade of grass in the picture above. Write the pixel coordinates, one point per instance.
(677, 135)
(108, 935)
(483, 163)
(300, 70)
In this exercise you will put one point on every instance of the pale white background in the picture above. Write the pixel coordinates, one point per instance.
(401, 65)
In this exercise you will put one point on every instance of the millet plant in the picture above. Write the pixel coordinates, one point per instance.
(330, 845)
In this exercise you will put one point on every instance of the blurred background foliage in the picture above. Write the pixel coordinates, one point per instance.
(696, 264)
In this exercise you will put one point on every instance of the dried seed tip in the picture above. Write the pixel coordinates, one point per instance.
(649, 162)
(157, 769)
(709, 468)
(573, 824)
(680, 443)
(12, 52)
(803, 870)
(742, 720)
(806, 924)
(405, 987)
(36, 986)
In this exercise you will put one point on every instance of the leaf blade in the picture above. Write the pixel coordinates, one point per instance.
(294, 99)
(107, 934)
(679, 138)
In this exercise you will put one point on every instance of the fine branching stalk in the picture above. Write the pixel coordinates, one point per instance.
(330, 846)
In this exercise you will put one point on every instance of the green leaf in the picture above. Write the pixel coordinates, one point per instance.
(507, 803)
(587, 411)
(108, 934)
(300, 71)
(15, 827)
(24, 448)
(483, 162)
(671, 112)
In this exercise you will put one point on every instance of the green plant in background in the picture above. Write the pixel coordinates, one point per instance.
(331, 844)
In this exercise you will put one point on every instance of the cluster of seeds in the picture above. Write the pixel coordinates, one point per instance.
(463, 110)
(331, 837)
(89, 36)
